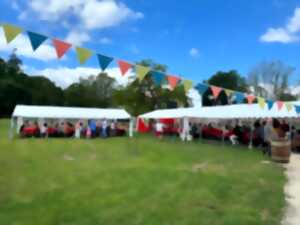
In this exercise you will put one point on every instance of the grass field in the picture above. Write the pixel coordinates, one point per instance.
(139, 181)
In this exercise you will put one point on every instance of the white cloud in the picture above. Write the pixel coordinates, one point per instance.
(103, 14)
(278, 35)
(65, 76)
(194, 52)
(77, 37)
(105, 41)
(294, 22)
(45, 52)
(92, 14)
(286, 34)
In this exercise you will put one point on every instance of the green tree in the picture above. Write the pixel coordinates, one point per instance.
(230, 80)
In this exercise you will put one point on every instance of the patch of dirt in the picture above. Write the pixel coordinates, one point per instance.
(199, 166)
(68, 157)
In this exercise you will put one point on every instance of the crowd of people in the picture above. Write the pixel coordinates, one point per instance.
(78, 129)
(260, 133)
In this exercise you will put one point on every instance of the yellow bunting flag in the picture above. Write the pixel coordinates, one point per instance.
(187, 84)
(83, 54)
(261, 102)
(228, 92)
(11, 32)
(141, 71)
(289, 106)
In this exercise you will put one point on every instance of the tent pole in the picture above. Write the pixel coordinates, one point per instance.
(11, 130)
(251, 135)
(223, 134)
(131, 127)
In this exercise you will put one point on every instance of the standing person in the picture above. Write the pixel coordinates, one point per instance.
(44, 130)
(104, 128)
(268, 133)
(78, 128)
(159, 128)
(113, 129)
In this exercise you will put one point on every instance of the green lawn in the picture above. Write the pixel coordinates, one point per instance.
(138, 181)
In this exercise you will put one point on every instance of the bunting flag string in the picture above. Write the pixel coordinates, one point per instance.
(141, 71)
(157, 77)
(250, 99)
(11, 32)
(228, 92)
(280, 104)
(124, 66)
(83, 54)
(36, 39)
(216, 91)
(61, 47)
(173, 81)
(238, 97)
(289, 106)
(104, 61)
(187, 84)
(261, 102)
(270, 104)
(201, 88)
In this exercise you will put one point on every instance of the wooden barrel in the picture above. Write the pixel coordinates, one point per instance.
(281, 151)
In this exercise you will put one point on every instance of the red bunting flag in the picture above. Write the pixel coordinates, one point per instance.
(173, 80)
(280, 104)
(216, 91)
(61, 47)
(250, 99)
(124, 66)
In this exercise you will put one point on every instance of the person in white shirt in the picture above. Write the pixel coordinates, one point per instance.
(159, 129)
(44, 130)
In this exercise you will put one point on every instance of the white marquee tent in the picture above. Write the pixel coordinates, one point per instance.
(239, 111)
(54, 112)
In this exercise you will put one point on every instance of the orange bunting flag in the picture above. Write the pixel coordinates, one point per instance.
(216, 91)
(250, 99)
(61, 47)
(279, 105)
(124, 66)
(173, 81)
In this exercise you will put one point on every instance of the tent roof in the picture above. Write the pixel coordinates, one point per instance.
(223, 112)
(54, 112)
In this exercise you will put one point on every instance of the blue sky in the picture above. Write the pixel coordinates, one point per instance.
(194, 38)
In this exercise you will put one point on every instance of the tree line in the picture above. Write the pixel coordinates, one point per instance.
(16, 87)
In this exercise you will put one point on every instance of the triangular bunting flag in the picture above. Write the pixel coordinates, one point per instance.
(201, 88)
(124, 66)
(280, 104)
(61, 47)
(187, 84)
(173, 81)
(83, 54)
(141, 71)
(36, 39)
(104, 61)
(228, 92)
(270, 104)
(289, 106)
(297, 108)
(238, 97)
(216, 91)
(261, 102)
(250, 99)
(157, 77)
(11, 32)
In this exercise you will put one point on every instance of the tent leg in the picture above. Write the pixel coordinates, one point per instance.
(251, 135)
(131, 128)
(11, 130)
